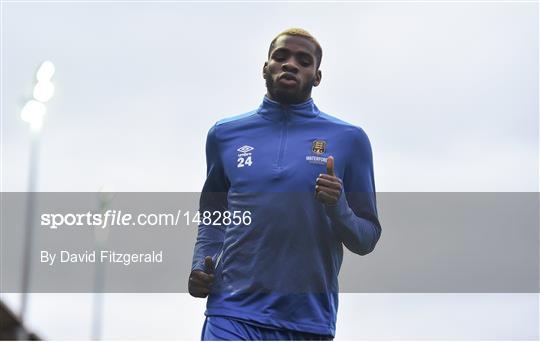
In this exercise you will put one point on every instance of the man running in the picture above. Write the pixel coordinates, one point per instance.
(300, 184)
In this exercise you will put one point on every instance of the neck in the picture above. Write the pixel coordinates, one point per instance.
(284, 101)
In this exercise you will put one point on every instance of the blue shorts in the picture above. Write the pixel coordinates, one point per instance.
(220, 328)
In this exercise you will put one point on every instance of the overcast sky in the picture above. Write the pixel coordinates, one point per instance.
(447, 93)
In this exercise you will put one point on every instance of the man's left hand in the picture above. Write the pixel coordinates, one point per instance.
(328, 187)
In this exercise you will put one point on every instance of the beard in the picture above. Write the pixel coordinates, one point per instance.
(287, 95)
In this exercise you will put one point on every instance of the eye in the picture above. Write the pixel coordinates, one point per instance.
(279, 56)
(305, 60)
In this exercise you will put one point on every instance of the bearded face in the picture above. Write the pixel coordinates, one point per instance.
(291, 70)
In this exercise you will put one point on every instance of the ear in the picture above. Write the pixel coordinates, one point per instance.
(318, 78)
(265, 67)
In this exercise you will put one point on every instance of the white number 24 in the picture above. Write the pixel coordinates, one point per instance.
(243, 162)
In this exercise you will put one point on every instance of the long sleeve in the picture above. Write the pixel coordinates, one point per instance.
(213, 198)
(354, 217)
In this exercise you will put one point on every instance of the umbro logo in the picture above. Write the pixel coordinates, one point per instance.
(245, 149)
(244, 156)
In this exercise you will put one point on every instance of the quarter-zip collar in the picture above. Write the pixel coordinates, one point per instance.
(276, 111)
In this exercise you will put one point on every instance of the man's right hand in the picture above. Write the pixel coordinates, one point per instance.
(200, 282)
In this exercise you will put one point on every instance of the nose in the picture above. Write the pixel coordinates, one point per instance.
(290, 66)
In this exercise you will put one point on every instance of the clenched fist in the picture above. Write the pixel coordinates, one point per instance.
(201, 282)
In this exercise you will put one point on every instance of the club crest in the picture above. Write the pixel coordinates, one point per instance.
(318, 146)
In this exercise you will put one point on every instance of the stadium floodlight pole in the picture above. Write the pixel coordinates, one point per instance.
(101, 236)
(33, 113)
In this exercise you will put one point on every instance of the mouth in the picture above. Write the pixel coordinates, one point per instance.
(288, 79)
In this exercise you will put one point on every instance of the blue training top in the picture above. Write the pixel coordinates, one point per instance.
(278, 266)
